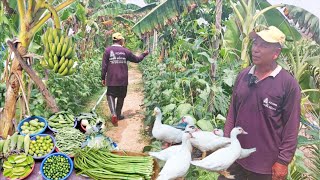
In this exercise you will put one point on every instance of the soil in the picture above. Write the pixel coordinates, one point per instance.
(129, 133)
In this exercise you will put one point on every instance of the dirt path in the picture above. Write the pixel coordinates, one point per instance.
(129, 133)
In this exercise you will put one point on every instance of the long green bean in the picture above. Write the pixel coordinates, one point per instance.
(101, 164)
(68, 139)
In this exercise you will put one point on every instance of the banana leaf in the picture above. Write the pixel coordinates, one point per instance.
(164, 13)
(274, 17)
(308, 22)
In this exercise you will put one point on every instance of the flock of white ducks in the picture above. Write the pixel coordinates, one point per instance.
(178, 157)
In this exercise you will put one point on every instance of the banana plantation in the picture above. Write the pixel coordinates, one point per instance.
(191, 58)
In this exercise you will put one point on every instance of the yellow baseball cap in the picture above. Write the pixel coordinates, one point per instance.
(272, 35)
(117, 36)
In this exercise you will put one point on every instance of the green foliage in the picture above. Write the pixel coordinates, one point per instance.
(315, 160)
(196, 173)
(132, 41)
(2, 93)
(179, 88)
(308, 22)
(70, 92)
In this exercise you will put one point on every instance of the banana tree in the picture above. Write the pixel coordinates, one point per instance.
(247, 17)
(165, 13)
(32, 16)
(302, 59)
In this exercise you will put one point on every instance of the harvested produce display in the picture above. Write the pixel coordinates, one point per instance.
(59, 52)
(32, 127)
(15, 143)
(18, 166)
(41, 145)
(88, 119)
(60, 120)
(102, 164)
(68, 139)
(56, 167)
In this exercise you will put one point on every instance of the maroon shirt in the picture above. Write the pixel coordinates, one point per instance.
(269, 110)
(114, 65)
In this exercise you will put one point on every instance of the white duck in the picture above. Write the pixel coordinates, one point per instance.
(209, 141)
(168, 152)
(244, 152)
(178, 164)
(222, 159)
(165, 154)
(218, 132)
(165, 132)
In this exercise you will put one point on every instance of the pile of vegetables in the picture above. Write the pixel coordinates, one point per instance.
(60, 120)
(56, 167)
(102, 164)
(32, 127)
(68, 139)
(42, 145)
(17, 166)
(88, 119)
(15, 143)
(99, 141)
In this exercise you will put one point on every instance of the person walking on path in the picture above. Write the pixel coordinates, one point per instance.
(265, 103)
(114, 74)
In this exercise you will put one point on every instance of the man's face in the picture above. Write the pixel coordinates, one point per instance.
(264, 53)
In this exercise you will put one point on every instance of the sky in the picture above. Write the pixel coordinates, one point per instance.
(140, 3)
(312, 6)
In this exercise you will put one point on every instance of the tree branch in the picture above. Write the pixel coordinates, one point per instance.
(29, 11)
(42, 88)
(22, 11)
(215, 55)
(54, 14)
(37, 26)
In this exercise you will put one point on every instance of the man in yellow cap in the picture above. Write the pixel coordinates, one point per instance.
(266, 104)
(115, 74)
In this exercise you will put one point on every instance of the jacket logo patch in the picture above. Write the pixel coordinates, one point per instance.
(269, 104)
(117, 58)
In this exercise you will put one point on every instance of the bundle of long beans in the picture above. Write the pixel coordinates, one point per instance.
(102, 164)
(68, 139)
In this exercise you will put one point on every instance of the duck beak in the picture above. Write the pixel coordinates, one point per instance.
(154, 113)
(244, 132)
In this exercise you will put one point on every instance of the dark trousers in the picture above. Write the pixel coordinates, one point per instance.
(243, 174)
(119, 92)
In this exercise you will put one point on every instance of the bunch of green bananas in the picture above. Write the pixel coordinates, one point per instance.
(59, 52)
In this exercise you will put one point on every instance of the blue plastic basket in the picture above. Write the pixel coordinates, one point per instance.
(56, 154)
(54, 145)
(41, 119)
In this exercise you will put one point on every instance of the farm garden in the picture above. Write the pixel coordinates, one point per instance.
(54, 117)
